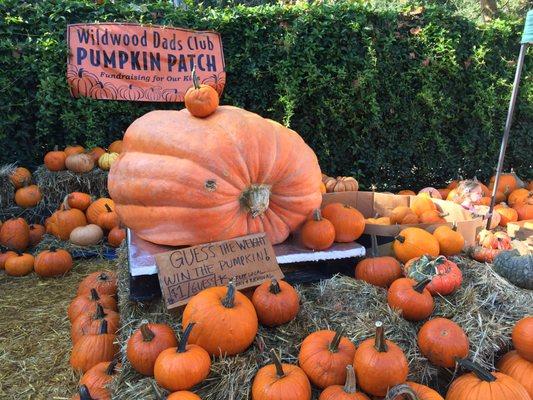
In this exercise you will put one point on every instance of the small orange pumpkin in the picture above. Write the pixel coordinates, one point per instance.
(96, 153)
(19, 177)
(519, 196)
(415, 242)
(421, 204)
(201, 100)
(55, 160)
(88, 303)
(346, 392)
(432, 217)
(19, 265)
(74, 149)
(53, 262)
(378, 271)
(79, 200)
(15, 234)
(324, 356)
(318, 233)
(183, 395)
(108, 219)
(522, 337)
(348, 222)
(28, 196)
(4, 255)
(518, 368)
(116, 236)
(525, 209)
(508, 182)
(36, 234)
(451, 242)
(89, 323)
(90, 350)
(507, 214)
(104, 282)
(277, 380)
(412, 298)
(101, 375)
(182, 367)
(115, 147)
(399, 213)
(276, 303)
(98, 207)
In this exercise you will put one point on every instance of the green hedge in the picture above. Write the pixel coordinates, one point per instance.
(373, 96)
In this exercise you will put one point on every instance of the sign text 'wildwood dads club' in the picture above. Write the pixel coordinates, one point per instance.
(141, 63)
(250, 260)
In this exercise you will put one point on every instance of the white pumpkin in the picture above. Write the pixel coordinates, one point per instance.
(86, 235)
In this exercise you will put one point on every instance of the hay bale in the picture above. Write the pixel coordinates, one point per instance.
(7, 191)
(486, 307)
(99, 250)
(56, 185)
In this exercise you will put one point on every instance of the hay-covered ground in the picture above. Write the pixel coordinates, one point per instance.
(35, 334)
(486, 307)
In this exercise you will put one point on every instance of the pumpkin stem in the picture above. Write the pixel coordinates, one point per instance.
(229, 300)
(94, 295)
(454, 226)
(147, 333)
(103, 327)
(103, 276)
(400, 238)
(481, 373)
(374, 251)
(350, 385)
(64, 204)
(108, 208)
(84, 393)
(255, 199)
(380, 344)
(274, 286)
(112, 367)
(195, 79)
(277, 362)
(402, 391)
(317, 215)
(334, 345)
(182, 348)
(420, 286)
(53, 249)
(99, 314)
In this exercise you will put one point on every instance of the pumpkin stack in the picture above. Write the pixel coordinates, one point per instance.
(27, 195)
(77, 159)
(94, 323)
(84, 222)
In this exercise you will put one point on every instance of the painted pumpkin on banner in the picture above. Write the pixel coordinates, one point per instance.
(103, 91)
(182, 180)
(80, 81)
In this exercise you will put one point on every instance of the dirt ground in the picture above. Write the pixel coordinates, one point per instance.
(35, 334)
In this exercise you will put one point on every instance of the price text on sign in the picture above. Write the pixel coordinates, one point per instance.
(185, 272)
(141, 63)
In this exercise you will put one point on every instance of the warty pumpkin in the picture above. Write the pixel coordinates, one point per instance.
(445, 275)
(451, 242)
(19, 265)
(481, 384)
(15, 234)
(101, 375)
(415, 242)
(378, 271)
(105, 282)
(53, 262)
(518, 368)
(88, 303)
(95, 394)
(55, 160)
(106, 160)
(36, 234)
(226, 321)
(79, 163)
(346, 392)
(4, 255)
(88, 323)
(379, 364)
(412, 391)
(19, 177)
(317, 233)
(183, 180)
(87, 235)
(182, 367)
(441, 341)
(411, 298)
(28, 196)
(116, 236)
(276, 303)
(324, 356)
(63, 222)
(200, 100)
(90, 350)
(516, 268)
(522, 337)
(348, 222)
(279, 381)
(146, 343)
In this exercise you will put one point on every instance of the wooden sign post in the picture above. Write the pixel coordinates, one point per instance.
(182, 273)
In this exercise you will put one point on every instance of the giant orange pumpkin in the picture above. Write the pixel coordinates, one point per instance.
(182, 180)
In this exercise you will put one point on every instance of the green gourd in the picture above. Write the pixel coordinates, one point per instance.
(515, 268)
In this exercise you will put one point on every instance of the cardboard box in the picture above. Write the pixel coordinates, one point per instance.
(372, 203)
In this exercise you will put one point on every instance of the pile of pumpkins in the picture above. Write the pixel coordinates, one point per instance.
(80, 160)
(84, 221)
(94, 319)
(339, 184)
(27, 195)
(221, 321)
(16, 237)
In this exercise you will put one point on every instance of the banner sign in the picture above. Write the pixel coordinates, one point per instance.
(250, 260)
(111, 61)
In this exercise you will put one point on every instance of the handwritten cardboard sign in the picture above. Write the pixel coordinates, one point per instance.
(187, 271)
(111, 61)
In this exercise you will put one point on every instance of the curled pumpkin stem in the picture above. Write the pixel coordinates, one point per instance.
(380, 344)
(277, 363)
(229, 300)
(274, 286)
(182, 348)
(400, 238)
(402, 391)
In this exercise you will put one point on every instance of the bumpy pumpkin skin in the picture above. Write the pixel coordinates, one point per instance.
(179, 179)
(515, 268)
(518, 368)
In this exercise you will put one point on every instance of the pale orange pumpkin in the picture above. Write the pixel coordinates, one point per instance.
(182, 180)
